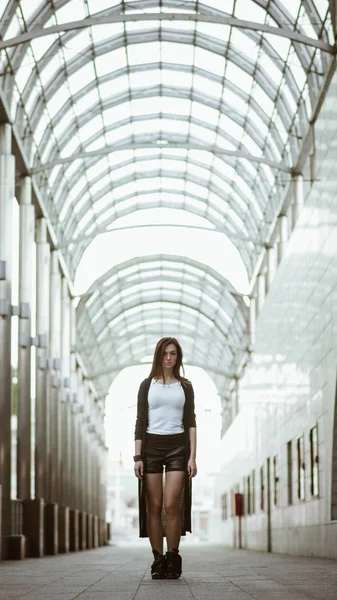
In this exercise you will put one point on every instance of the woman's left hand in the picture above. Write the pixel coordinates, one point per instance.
(191, 468)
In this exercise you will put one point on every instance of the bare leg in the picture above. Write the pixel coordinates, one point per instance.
(154, 495)
(173, 490)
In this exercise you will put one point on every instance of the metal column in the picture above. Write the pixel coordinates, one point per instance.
(65, 404)
(81, 469)
(283, 236)
(74, 410)
(102, 459)
(55, 400)
(24, 431)
(271, 266)
(298, 197)
(7, 182)
(252, 321)
(89, 455)
(261, 291)
(42, 411)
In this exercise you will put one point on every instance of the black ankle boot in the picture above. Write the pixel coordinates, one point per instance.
(173, 564)
(158, 567)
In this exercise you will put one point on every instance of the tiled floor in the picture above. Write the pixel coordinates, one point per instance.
(209, 572)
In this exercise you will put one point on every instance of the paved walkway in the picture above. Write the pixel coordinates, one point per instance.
(210, 573)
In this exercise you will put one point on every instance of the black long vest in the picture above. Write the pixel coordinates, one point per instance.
(140, 434)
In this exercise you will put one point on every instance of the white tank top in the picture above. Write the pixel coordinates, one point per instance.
(166, 408)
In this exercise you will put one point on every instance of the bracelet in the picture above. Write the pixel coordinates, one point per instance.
(137, 457)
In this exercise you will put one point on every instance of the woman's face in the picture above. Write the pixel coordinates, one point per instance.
(169, 356)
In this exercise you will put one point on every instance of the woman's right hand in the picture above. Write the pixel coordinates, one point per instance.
(139, 469)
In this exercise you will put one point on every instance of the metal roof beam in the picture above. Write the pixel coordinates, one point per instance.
(207, 368)
(192, 18)
(92, 236)
(184, 261)
(333, 11)
(159, 146)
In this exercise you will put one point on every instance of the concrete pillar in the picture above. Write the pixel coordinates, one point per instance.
(82, 530)
(89, 531)
(42, 410)
(108, 532)
(95, 531)
(7, 183)
(74, 530)
(55, 396)
(283, 236)
(33, 527)
(51, 529)
(27, 232)
(298, 197)
(64, 529)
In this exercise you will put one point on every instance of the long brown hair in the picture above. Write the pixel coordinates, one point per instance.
(157, 363)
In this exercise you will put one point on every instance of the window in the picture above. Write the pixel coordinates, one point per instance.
(314, 482)
(249, 495)
(290, 472)
(300, 469)
(276, 481)
(261, 489)
(224, 507)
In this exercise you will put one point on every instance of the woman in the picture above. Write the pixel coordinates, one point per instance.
(165, 435)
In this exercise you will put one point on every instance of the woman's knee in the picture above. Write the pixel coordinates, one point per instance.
(172, 508)
(154, 507)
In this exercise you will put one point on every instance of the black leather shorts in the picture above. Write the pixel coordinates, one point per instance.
(165, 450)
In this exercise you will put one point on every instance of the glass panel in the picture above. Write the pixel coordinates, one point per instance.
(107, 32)
(55, 64)
(15, 27)
(235, 74)
(249, 11)
(24, 72)
(73, 10)
(90, 128)
(171, 52)
(57, 100)
(99, 5)
(81, 77)
(28, 7)
(292, 7)
(116, 57)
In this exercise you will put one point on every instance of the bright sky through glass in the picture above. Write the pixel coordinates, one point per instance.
(112, 248)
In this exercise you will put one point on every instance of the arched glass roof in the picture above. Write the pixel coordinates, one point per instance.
(126, 106)
(136, 303)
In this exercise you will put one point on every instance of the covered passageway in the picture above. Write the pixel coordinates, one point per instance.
(155, 157)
